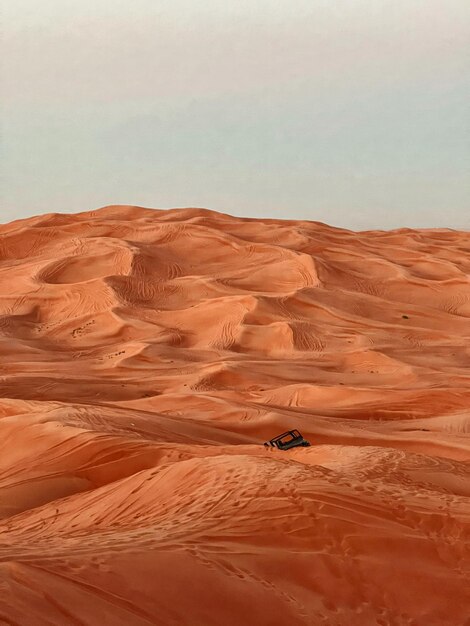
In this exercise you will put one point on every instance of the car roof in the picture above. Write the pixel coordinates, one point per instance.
(288, 432)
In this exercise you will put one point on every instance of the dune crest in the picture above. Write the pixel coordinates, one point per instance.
(145, 357)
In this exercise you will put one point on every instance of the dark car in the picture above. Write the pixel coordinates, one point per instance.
(286, 441)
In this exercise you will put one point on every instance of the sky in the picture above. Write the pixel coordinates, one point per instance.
(350, 112)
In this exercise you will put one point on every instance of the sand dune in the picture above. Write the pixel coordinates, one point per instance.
(146, 355)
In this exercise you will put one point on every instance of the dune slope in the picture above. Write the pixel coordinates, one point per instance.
(145, 356)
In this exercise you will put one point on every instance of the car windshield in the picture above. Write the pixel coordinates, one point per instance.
(288, 438)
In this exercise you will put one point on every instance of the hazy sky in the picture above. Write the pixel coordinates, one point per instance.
(352, 112)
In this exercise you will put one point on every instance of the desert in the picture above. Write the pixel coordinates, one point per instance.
(146, 356)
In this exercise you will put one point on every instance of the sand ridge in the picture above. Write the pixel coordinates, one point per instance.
(146, 355)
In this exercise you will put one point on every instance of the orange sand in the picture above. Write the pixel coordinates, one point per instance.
(146, 355)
